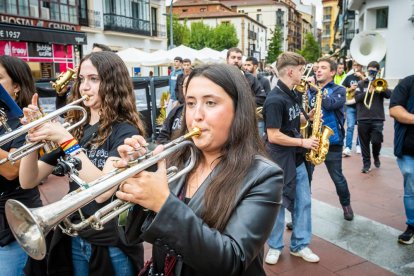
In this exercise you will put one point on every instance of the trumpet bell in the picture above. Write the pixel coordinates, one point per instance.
(29, 231)
(368, 46)
(379, 85)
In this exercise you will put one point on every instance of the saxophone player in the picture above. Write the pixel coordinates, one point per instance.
(333, 116)
(281, 114)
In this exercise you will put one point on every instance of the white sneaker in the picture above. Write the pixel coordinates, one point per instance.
(347, 152)
(358, 149)
(272, 256)
(306, 254)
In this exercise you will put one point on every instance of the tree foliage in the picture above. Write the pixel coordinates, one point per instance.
(181, 33)
(223, 37)
(200, 34)
(275, 45)
(311, 50)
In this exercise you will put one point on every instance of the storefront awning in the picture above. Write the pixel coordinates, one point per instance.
(35, 34)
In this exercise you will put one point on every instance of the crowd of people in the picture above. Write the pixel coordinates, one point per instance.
(251, 161)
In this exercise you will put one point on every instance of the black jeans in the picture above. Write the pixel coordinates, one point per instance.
(370, 132)
(333, 163)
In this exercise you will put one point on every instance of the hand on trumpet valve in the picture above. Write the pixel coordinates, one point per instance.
(31, 112)
(132, 151)
(147, 189)
(49, 131)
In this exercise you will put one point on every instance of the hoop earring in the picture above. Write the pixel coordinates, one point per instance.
(16, 94)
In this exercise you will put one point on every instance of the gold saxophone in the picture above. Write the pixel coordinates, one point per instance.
(304, 127)
(322, 133)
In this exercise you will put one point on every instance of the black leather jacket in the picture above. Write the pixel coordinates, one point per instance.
(200, 250)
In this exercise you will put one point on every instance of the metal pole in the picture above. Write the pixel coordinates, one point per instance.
(171, 25)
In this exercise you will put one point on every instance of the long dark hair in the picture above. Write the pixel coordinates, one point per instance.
(116, 92)
(20, 73)
(238, 151)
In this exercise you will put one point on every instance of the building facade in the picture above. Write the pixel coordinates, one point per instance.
(53, 35)
(394, 20)
(251, 33)
(44, 34)
(122, 24)
(330, 13)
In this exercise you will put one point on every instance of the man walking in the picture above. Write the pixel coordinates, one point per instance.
(402, 110)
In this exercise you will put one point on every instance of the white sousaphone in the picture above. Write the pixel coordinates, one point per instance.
(368, 46)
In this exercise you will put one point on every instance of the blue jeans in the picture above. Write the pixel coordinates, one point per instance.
(260, 127)
(333, 163)
(406, 164)
(81, 253)
(12, 259)
(350, 125)
(301, 217)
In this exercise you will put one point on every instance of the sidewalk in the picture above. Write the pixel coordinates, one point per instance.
(366, 246)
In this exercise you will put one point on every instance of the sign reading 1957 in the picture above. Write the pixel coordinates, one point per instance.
(9, 34)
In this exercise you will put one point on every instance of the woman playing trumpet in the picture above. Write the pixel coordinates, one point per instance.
(215, 220)
(17, 80)
(112, 117)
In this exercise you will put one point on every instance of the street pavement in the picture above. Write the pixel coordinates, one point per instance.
(365, 246)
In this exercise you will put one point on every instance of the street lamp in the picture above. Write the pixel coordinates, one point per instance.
(171, 27)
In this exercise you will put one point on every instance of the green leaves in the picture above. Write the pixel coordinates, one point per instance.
(200, 35)
(275, 46)
(311, 50)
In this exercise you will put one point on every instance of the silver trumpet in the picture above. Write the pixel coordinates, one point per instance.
(30, 226)
(31, 147)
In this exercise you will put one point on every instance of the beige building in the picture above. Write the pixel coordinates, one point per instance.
(330, 13)
(250, 32)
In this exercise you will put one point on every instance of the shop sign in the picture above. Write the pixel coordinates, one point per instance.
(40, 50)
(16, 49)
(37, 23)
(32, 34)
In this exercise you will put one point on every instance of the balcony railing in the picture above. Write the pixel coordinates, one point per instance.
(158, 30)
(121, 23)
(90, 18)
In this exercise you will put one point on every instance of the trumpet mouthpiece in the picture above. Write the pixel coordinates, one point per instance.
(194, 132)
(85, 98)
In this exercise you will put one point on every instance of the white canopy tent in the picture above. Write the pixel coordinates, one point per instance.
(208, 55)
(132, 57)
(166, 58)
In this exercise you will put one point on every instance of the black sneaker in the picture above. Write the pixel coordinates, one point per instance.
(408, 236)
(289, 226)
(365, 169)
(348, 213)
(377, 162)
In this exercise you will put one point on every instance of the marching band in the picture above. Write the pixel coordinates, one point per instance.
(228, 181)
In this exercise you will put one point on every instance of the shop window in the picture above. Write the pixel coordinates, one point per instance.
(73, 18)
(54, 11)
(23, 7)
(11, 6)
(382, 18)
(64, 13)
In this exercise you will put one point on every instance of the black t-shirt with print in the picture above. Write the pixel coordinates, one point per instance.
(281, 111)
(403, 95)
(97, 155)
(10, 189)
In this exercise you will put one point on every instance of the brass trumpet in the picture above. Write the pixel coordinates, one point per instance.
(378, 85)
(30, 226)
(303, 86)
(31, 147)
(63, 80)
